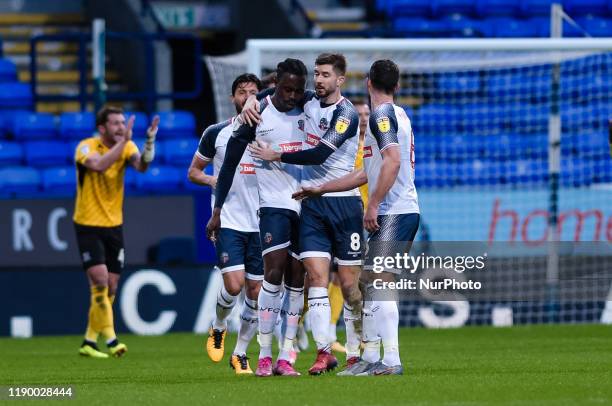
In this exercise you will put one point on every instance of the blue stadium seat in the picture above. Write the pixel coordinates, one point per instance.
(576, 172)
(445, 7)
(596, 26)
(409, 7)
(19, 180)
(418, 27)
(589, 145)
(498, 7)
(141, 123)
(15, 96)
(11, 153)
(31, 126)
(505, 27)
(160, 178)
(179, 152)
(130, 180)
(46, 153)
(602, 170)
(528, 84)
(460, 147)
(536, 7)
(59, 180)
(176, 124)
(582, 7)
(463, 82)
(459, 25)
(437, 119)
(77, 125)
(8, 71)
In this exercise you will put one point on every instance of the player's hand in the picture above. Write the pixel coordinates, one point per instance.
(212, 181)
(307, 191)
(250, 111)
(129, 127)
(213, 226)
(262, 151)
(370, 219)
(149, 148)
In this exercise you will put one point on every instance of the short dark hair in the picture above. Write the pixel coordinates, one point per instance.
(269, 80)
(102, 116)
(338, 61)
(384, 75)
(246, 78)
(357, 102)
(290, 66)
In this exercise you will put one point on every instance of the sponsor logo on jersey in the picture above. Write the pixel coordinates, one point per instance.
(323, 125)
(301, 125)
(268, 238)
(247, 169)
(291, 146)
(384, 125)
(367, 151)
(312, 139)
(342, 124)
(85, 149)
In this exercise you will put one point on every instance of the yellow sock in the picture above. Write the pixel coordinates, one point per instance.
(91, 334)
(103, 312)
(336, 301)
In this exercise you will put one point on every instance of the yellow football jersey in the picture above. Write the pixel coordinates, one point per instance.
(359, 165)
(99, 199)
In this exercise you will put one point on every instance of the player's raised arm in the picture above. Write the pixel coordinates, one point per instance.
(141, 162)
(100, 163)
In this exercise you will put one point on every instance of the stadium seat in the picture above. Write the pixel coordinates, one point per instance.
(19, 180)
(179, 152)
(409, 7)
(589, 145)
(11, 153)
(464, 82)
(498, 7)
(8, 71)
(160, 178)
(536, 7)
(32, 126)
(505, 27)
(459, 25)
(602, 170)
(46, 153)
(59, 180)
(418, 27)
(576, 172)
(176, 251)
(78, 125)
(130, 180)
(15, 96)
(141, 123)
(445, 7)
(176, 124)
(583, 7)
(596, 26)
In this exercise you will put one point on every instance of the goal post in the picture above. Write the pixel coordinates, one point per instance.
(511, 148)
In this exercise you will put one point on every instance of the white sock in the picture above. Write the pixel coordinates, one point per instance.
(387, 320)
(292, 309)
(278, 326)
(269, 308)
(225, 305)
(371, 352)
(248, 326)
(352, 338)
(333, 336)
(320, 316)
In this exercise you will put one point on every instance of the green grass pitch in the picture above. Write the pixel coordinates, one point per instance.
(533, 365)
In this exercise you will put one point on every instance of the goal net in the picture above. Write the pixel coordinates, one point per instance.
(512, 158)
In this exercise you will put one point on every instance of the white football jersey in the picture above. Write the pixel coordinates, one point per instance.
(390, 126)
(240, 209)
(281, 131)
(336, 125)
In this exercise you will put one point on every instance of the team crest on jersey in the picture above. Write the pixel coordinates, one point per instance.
(323, 125)
(301, 125)
(268, 238)
(342, 124)
(384, 125)
(224, 257)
